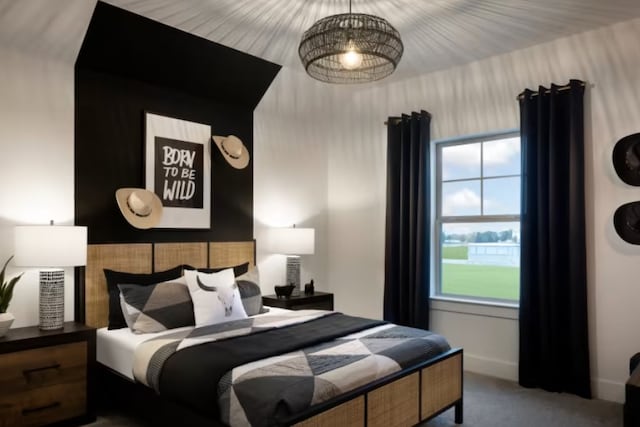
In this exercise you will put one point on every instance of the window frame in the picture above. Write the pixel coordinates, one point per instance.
(440, 219)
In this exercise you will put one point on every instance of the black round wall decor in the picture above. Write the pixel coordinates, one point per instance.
(626, 159)
(626, 221)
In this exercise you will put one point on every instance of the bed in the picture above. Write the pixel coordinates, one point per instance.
(417, 392)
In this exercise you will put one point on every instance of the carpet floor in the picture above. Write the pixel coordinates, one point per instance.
(491, 402)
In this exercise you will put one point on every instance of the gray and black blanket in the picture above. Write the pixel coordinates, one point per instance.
(261, 370)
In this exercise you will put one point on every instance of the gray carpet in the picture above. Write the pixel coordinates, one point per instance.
(490, 402)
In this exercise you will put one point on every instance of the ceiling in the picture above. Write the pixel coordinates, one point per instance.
(437, 34)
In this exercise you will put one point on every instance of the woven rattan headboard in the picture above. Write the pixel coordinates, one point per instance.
(146, 258)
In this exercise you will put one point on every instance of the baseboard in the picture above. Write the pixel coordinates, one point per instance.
(492, 367)
(607, 390)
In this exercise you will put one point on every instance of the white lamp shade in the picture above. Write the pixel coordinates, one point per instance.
(291, 241)
(50, 246)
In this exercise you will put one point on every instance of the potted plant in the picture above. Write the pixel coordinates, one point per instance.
(6, 293)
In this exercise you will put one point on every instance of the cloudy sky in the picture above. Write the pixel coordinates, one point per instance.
(462, 165)
(462, 168)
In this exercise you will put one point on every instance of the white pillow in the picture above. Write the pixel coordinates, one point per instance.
(216, 297)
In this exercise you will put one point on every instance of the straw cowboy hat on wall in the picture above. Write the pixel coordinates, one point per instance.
(141, 208)
(233, 150)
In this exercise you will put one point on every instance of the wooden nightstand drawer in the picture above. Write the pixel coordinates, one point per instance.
(46, 377)
(31, 369)
(43, 405)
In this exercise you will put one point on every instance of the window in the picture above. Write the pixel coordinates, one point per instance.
(478, 219)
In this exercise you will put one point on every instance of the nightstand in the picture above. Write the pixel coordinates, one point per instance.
(317, 300)
(46, 377)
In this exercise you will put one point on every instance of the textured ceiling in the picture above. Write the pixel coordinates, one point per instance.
(437, 34)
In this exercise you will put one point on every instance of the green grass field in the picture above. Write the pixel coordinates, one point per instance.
(486, 281)
(455, 252)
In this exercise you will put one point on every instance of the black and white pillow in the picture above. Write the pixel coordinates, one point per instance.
(216, 297)
(249, 285)
(158, 307)
(114, 278)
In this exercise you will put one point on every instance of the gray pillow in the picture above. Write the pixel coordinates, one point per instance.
(158, 307)
(249, 285)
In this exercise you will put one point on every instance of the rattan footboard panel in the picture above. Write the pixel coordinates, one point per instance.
(396, 404)
(414, 395)
(441, 385)
(348, 414)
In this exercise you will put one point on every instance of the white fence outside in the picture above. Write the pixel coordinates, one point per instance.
(507, 254)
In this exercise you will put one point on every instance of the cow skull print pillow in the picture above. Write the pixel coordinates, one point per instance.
(216, 297)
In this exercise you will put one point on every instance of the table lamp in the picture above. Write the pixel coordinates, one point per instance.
(292, 242)
(53, 247)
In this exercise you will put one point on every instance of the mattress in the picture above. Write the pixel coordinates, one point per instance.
(115, 348)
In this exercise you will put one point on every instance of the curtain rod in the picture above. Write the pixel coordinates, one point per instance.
(396, 120)
(560, 88)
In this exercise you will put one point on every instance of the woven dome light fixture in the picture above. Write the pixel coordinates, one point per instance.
(350, 48)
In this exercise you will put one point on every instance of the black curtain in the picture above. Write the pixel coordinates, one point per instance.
(554, 347)
(408, 234)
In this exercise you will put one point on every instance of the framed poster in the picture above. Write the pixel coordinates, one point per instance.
(178, 170)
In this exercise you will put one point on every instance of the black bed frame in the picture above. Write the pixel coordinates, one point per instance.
(150, 409)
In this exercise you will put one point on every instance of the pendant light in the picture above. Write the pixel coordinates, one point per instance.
(350, 48)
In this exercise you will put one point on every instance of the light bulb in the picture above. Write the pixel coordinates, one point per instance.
(351, 59)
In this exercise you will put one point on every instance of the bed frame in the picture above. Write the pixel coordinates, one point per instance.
(405, 398)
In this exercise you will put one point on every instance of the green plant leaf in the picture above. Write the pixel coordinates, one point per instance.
(6, 288)
(3, 270)
(8, 293)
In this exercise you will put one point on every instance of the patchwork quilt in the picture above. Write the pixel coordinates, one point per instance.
(151, 355)
(260, 371)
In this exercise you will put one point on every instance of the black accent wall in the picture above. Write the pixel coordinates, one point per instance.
(129, 64)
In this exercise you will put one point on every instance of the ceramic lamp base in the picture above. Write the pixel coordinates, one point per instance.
(6, 319)
(51, 299)
(293, 273)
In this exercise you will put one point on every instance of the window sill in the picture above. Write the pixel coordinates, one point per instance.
(474, 307)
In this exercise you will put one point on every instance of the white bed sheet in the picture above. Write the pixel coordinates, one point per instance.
(115, 348)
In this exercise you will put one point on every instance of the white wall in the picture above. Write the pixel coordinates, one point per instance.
(36, 177)
(39, 42)
(290, 152)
